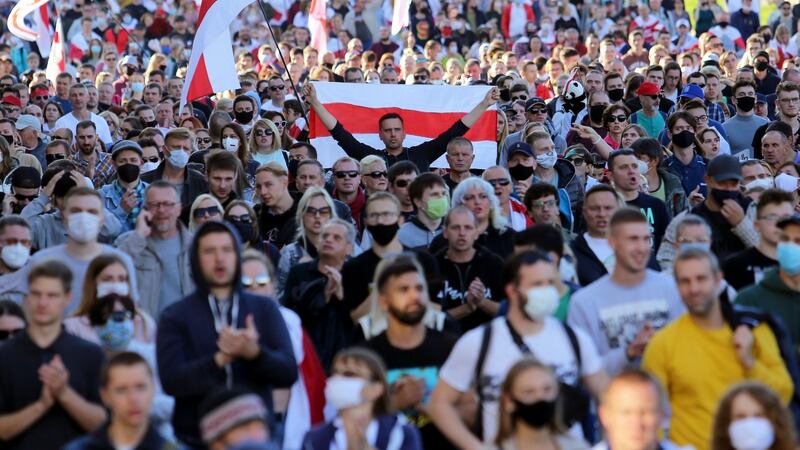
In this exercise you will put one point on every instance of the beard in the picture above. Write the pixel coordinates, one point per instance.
(408, 318)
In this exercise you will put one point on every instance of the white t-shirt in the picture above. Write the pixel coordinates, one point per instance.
(551, 346)
(602, 250)
(71, 122)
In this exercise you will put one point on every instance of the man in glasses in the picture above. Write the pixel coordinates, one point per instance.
(159, 247)
(276, 89)
(654, 74)
(400, 177)
(787, 107)
(392, 133)
(512, 208)
(40, 95)
(535, 113)
(649, 117)
(347, 187)
(29, 129)
(422, 75)
(15, 249)
(25, 185)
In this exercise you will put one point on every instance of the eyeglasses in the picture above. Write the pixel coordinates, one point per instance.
(152, 159)
(655, 97)
(279, 124)
(120, 316)
(28, 198)
(520, 97)
(277, 88)
(617, 118)
(537, 110)
(54, 157)
(539, 204)
(702, 118)
(701, 86)
(159, 205)
(244, 218)
(345, 173)
(264, 132)
(402, 183)
(790, 100)
(202, 212)
(420, 78)
(259, 280)
(8, 334)
(40, 97)
(381, 215)
(377, 174)
(577, 161)
(499, 181)
(204, 140)
(313, 212)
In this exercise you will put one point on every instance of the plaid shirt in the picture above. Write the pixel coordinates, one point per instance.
(103, 169)
(139, 191)
(715, 112)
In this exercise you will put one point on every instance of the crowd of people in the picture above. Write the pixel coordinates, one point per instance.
(625, 275)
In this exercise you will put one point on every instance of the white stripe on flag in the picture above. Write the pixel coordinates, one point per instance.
(219, 54)
(432, 98)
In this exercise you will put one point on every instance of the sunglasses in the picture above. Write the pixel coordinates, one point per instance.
(120, 316)
(420, 78)
(258, 280)
(201, 212)
(244, 218)
(28, 198)
(577, 161)
(54, 157)
(40, 97)
(376, 174)
(617, 118)
(402, 183)
(153, 159)
(280, 124)
(499, 181)
(277, 88)
(655, 97)
(204, 140)
(8, 334)
(312, 212)
(264, 132)
(537, 110)
(346, 173)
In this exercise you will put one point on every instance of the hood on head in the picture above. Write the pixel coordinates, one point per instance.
(197, 273)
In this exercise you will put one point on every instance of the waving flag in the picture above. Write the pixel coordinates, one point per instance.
(427, 111)
(318, 25)
(400, 15)
(211, 65)
(16, 19)
(56, 63)
(41, 18)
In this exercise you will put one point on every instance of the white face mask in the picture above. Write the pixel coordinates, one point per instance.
(786, 182)
(765, 183)
(542, 301)
(752, 433)
(230, 144)
(178, 158)
(148, 166)
(83, 226)
(109, 287)
(547, 160)
(642, 166)
(343, 392)
(15, 256)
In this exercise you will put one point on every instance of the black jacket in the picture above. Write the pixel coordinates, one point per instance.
(724, 243)
(194, 184)
(98, 440)
(187, 340)
(501, 243)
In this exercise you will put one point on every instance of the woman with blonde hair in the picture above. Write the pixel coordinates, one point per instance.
(204, 208)
(113, 124)
(751, 416)
(265, 144)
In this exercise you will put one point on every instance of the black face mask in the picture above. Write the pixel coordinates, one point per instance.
(129, 71)
(520, 172)
(746, 104)
(684, 139)
(163, 68)
(536, 414)
(616, 94)
(9, 139)
(721, 195)
(767, 37)
(292, 167)
(128, 173)
(722, 24)
(505, 95)
(761, 65)
(243, 116)
(151, 124)
(383, 234)
(596, 113)
(246, 231)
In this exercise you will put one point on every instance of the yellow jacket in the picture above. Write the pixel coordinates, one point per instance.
(697, 366)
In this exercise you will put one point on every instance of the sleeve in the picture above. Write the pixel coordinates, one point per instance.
(769, 367)
(351, 145)
(459, 369)
(111, 228)
(275, 364)
(655, 359)
(591, 362)
(666, 252)
(746, 231)
(435, 148)
(284, 264)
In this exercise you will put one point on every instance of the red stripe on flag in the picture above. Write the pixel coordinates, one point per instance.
(200, 85)
(363, 120)
(204, 7)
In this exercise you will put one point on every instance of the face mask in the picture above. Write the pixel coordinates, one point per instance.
(151, 124)
(96, 49)
(178, 158)
(243, 116)
(520, 172)
(596, 113)
(15, 256)
(536, 414)
(786, 182)
(616, 95)
(9, 139)
(789, 257)
(128, 173)
(752, 433)
(383, 234)
(642, 167)
(547, 160)
(505, 95)
(723, 24)
(437, 207)
(746, 104)
(148, 166)
(765, 183)
(541, 302)
(137, 87)
(129, 71)
(761, 65)
(83, 227)
(343, 392)
(115, 335)
(705, 246)
(246, 230)
(110, 287)
(230, 144)
(684, 139)
(721, 195)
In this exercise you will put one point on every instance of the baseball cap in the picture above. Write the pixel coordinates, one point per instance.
(11, 99)
(125, 144)
(761, 98)
(648, 88)
(129, 60)
(533, 101)
(520, 147)
(691, 91)
(682, 23)
(725, 167)
(794, 219)
(28, 121)
(763, 54)
(26, 177)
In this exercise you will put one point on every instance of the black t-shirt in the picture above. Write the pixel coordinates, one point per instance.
(20, 360)
(746, 267)
(656, 213)
(278, 229)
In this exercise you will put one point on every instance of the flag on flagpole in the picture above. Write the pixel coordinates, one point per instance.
(41, 19)
(427, 111)
(16, 19)
(56, 64)
(211, 65)
(400, 15)
(318, 25)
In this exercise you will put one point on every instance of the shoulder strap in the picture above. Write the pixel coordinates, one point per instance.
(523, 347)
(576, 347)
(385, 427)
(285, 157)
(485, 340)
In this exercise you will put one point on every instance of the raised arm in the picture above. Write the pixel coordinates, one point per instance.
(490, 99)
(310, 96)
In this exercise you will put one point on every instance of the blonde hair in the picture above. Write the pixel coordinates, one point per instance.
(276, 140)
(368, 161)
(196, 204)
(273, 167)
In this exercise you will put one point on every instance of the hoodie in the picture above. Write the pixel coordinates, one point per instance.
(773, 295)
(187, 341)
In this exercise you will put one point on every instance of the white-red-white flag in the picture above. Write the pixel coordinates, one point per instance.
(16, 19)
(427, 111)
(41, 20)
(212, 67)
(400, 15)
(56, 63)
(318, 25)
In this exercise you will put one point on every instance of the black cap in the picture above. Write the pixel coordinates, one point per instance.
(533, 101)
(26, 177)
(794, 219)
(762, 53)
(519, 147)
(725, 167)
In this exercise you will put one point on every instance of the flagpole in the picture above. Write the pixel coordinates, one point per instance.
(285, 66)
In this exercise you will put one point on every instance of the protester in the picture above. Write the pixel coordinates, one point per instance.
(15, 249)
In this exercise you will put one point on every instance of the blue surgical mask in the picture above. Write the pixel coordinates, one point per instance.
(114, 335)
(789, 257)
(178, 158)
(705, 246)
